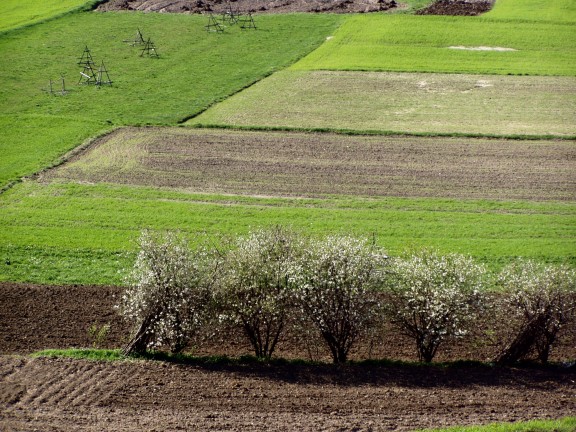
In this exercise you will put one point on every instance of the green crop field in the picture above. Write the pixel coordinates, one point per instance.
(16, 13)
(78, 233)
(557, 11)
(403, 102)
(448, 44)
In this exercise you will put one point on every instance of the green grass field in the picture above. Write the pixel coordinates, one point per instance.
(195, 69)
(406, 43)
(403, 103)
(75, 233)
(16, 13)
(557, 11)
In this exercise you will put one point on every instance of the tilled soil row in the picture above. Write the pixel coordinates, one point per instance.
(62, 394)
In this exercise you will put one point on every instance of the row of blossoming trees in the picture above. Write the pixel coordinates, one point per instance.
(340, 286)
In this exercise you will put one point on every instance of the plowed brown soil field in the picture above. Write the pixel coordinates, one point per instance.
(441, 7)
(48, 394)
(303, 164)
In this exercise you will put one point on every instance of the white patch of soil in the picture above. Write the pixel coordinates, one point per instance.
(481, 48)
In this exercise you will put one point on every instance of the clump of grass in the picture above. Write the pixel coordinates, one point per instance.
(82, 353)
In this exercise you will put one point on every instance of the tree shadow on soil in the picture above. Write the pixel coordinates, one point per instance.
(459, 374)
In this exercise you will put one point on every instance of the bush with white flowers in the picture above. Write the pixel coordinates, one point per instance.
(168, 294)
(544, 299)
(335, 284)
(433, 297)
(254, 288)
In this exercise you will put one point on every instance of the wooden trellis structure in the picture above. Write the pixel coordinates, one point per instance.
(149, 49)
(247, 21)
(103, 77)
(214, 25)
(138, 39)
(87, 75)
(230, 16)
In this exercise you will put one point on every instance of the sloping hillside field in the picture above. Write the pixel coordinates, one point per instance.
(404, 102)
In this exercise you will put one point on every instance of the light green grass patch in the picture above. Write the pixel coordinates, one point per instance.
(31, 142)
(16, 13)
(535, 10)
(566, 424)
(414, 103)
(406, 43)
(195, 69)
(82, 353)
(72, 233)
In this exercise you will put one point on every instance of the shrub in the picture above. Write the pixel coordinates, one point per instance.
(335, 289)
(254, 288)
(168, 292)
(434, 297)
(544, 298)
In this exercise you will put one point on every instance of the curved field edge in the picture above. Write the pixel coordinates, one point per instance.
(20, 13)
(413, 103)
(195, 70)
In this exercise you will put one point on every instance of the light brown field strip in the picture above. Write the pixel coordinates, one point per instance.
(301, 164)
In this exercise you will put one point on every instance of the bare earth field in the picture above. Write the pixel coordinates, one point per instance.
(300, 164)
(268, 6)
(441, 7)
(50, 394)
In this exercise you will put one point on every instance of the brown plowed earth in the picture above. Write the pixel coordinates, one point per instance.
(49, 394)
(243, 6)
(457, 7)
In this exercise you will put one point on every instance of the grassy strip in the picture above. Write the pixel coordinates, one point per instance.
(71, 233)
(195, 69)
(566, 424)
(534, 10)
(416, 103)
(421, 44)
(82, 353)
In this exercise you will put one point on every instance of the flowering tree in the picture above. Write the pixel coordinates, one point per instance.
(433, 297)
(254, 287)
(335, 288)
(544, 298)
(167, 295)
